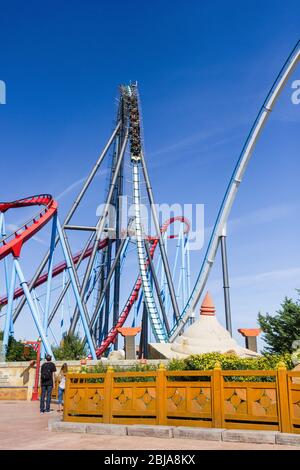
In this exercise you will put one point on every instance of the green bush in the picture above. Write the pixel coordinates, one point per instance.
(206, 361)
(177, 364)
(100, 368)
(97, 369)
(232, 362)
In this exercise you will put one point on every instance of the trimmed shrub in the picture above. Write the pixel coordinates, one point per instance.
(201, 362)
(100, 368)
(232, 362)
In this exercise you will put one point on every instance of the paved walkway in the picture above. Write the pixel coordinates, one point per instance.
(22, 427)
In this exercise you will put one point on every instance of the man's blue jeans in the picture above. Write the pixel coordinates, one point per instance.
(46, 393)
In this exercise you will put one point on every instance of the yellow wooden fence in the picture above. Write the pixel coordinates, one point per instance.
(214, 399)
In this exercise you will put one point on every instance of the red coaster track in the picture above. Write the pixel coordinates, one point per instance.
(12, 244)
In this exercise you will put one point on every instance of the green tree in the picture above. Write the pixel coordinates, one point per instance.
(15, 351)
(281, 329)
(71, 348)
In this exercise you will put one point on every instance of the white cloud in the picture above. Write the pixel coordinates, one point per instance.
(262, 215)
(259, 216)
(179, 149)
(261, 279)
(13, 227)
(77, 183)
(69, 188)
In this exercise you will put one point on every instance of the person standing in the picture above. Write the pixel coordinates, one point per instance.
(62, 385)
(48, 370)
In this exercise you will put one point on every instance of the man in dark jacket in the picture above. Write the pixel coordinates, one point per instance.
(48, 370)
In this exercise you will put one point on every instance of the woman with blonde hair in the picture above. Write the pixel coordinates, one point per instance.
(62, 385)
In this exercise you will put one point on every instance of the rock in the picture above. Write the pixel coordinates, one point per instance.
(116, 355)
(230, 352)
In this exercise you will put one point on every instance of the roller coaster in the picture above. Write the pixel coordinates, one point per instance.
(85, 290)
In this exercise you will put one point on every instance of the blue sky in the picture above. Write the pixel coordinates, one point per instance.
(203, 70)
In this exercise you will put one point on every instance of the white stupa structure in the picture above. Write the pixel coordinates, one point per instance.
(204, 336)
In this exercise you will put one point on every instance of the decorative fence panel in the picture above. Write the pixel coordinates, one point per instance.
(293, 383)
(188, 398)
(221, 399)
(84, 397)
(134, 400)
(250, 404)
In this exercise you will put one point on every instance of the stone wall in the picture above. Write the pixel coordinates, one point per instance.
(16, 380)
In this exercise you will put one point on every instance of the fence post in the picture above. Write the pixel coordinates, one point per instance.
(217, 403)
(66, 398)
(108, 395)
(160, 394)
(283, 398)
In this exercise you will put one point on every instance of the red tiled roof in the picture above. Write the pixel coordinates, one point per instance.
(129, 331)
(249, 331)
